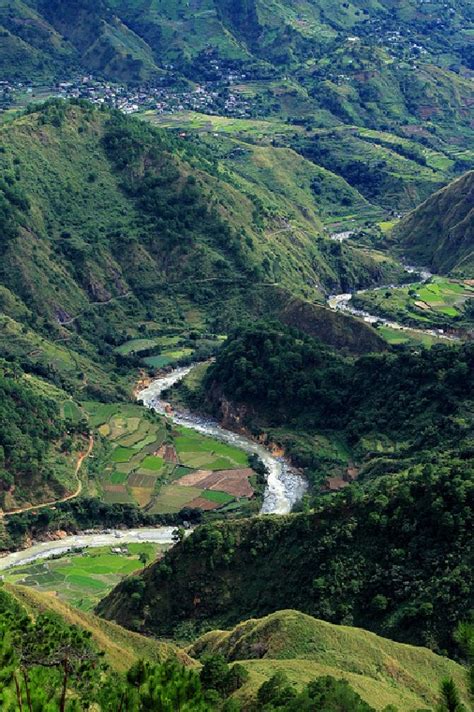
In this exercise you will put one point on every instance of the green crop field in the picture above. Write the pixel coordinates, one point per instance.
(82, 579)
(135, 346)
(197, 450)
(130, 470)
(152, 463)
(438, 303)
(216, 496)
(122, 454)
(173, 498)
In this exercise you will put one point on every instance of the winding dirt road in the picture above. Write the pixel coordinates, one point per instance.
(83, 456)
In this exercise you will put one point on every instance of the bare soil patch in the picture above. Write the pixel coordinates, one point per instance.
(234, 482)
(205, 504)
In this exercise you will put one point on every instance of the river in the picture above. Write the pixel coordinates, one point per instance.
(46, 549)
(283, 489)
(342, 302)
(284, 486)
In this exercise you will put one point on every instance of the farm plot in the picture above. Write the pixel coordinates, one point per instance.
(164, 471)
(83, 578)
(133, 436)
(232, 482)
(437, 303)
(199, 451)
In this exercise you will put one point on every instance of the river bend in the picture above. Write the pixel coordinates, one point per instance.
(284, 486)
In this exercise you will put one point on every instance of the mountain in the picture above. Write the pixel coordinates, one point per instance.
(380, 671)
(132, 39)
(373, 64)
(245, 668)
(440, 232)
(394, 557)
(104, 216)
(102, 211)
(121, 647)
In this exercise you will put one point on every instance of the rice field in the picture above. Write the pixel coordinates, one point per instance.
(163, 470)
(83, 578)
(437, 303)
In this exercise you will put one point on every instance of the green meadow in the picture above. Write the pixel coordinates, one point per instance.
(83, 578)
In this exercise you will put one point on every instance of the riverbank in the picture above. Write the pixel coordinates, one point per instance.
(284, 485)
(115, 537)
(344, 303)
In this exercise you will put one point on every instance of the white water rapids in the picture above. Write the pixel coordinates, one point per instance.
(284, 486)
(283, 489)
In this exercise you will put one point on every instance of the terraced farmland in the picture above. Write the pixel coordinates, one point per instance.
(83, 578)
(441, 302)
(145, 461)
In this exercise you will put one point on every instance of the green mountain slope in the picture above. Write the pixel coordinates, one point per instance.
(121, 647)
(440, 232)
(39, 450)
(112, 230)
(381, 671)
(101, 212)
(394, 557)
(296, 646)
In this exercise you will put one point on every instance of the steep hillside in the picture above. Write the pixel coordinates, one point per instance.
(337, 417)
(101, 212)
(121, 647)
(440, 232)
(381, 671)
(394, 557)
(40, 453)
(113, 230)
(55, 659)
(277, 662)
(134, 37)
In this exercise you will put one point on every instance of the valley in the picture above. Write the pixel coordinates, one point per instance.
(236, 356)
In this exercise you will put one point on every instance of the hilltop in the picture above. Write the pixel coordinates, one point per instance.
(286, 650)
(440, 232)
(380, 671)
(394, 556)
(122, 648)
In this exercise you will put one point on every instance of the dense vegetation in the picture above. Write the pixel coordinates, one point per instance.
(33, 437)
(47, 664)
(389, 410)
(394, 557)
(56, 660)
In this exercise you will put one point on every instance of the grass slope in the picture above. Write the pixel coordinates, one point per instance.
(440, 232)
(121, 647)
(381, 671)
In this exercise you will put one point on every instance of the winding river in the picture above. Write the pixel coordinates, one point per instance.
(343, 302)
(283, 489)
(284, 486)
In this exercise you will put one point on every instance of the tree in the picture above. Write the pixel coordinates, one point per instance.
(144, 557)
(276, 691)
(450, 700)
